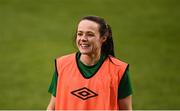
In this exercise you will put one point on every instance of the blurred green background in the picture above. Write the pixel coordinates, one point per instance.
(34, 32)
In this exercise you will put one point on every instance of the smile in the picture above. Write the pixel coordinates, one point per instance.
(84, 45)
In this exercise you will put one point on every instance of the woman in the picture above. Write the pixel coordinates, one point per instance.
(92, 78)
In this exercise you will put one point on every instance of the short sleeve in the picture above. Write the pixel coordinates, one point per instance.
(53, 85)
(125, 87)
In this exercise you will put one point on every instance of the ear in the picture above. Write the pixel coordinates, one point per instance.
(103, 39)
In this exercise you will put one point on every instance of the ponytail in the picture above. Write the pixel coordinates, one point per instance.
(108, 45)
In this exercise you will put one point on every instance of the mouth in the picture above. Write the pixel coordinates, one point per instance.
(84, 46)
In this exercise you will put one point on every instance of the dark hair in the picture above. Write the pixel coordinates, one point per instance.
(104, 30)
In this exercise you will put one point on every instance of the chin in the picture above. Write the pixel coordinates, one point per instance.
(84, 52)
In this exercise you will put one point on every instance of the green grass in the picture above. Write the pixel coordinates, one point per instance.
(34, 32)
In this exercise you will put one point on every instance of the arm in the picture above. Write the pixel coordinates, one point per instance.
(51, 105)
(52, 90)
(126, 103)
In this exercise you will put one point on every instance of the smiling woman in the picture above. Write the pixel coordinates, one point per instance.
(92, 78)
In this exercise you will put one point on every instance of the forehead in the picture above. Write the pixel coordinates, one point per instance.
(87, 25)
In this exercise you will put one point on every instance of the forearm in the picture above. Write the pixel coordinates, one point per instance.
(125, 103)
(51, 105)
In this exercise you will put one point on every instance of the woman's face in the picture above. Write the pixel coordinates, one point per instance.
(88, 38)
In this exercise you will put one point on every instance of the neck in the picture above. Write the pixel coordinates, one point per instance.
(90, 60)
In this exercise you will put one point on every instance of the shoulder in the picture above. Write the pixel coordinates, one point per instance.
(119, 64)
(66, 57)
(66, 60)
(117, 61)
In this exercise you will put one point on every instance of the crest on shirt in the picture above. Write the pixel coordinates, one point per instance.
(84, 93)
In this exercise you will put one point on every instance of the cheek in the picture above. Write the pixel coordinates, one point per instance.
(77, 40)
(97, 44)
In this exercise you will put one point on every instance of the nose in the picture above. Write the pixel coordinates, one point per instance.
(84, 38)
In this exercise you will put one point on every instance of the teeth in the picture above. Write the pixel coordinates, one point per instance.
(84, 45)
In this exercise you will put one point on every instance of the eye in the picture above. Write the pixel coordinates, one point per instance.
(90, 34)
(79, 34)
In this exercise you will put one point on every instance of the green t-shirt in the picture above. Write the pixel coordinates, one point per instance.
(124, 88)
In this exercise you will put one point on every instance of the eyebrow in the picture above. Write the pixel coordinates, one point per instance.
(86, 31)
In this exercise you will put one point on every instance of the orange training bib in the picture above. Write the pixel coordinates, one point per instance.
(100, 92)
